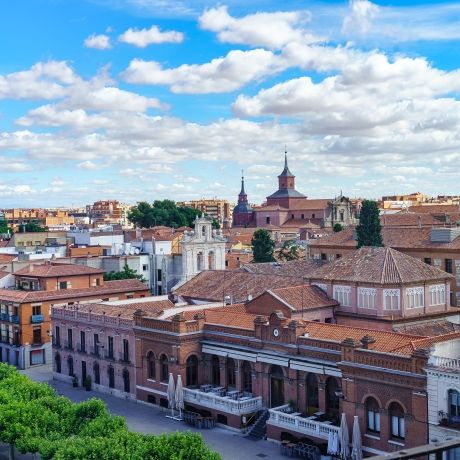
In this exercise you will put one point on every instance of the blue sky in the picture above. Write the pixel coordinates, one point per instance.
(151, 99)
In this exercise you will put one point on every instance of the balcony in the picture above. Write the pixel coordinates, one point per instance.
(309, 426)
(223, 403)
(4, 317)
(441, 361)
(37, 319)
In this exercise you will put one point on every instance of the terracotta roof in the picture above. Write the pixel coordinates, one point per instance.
(303, 297)
(409, 219)
(50, 270)
(430, 329)
(425, 343)
(109, 287)
(384, 341)
(398, 238)
(379, 266)
(295, 268)
(435, 208)
(214, 285)
(300, 223)
(7, 257)
(231, 318)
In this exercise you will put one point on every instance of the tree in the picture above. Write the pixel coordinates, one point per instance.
(163, 212)
(262, 246)
(126, 274)
(289, 251)
(32, 227)
(4, 226)
(215, 224)
(369, 230)
(337, 227)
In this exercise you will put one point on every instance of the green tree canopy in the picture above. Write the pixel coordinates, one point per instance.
(126, 274)
(3, 226)
(369, 230)
(32, 227)
(289, 251)
(337, 227)
(262, 246)
(162, 212)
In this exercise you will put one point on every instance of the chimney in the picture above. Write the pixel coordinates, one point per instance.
(366, 341)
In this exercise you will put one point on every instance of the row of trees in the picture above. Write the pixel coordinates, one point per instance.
(368, 231)
(34, 419)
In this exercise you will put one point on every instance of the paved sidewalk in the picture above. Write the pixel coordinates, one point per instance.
(150, 419)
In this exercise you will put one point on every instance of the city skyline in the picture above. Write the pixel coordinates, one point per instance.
(142, 100)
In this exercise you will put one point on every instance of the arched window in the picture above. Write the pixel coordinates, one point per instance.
(151, 365)
(332, 398)
(97, 373)
(191, 374)
(70, 365)
(57, 360)
(372, 415)
(231, 373)
(164, 374)
(200, 261)
(454, 406)
(211, 260)
(111, 374)
(397, 425)
(126, 382)
(215, 370)
(311, 388)
(246, 377)
(276, 386)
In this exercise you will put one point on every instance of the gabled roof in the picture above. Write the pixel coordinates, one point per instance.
(379, 266)
(303, 297)
(51, 270)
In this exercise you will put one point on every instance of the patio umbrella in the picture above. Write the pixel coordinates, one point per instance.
(344, 437)
(171, 393)
(356, 446)
(179, 395)
(333, 443)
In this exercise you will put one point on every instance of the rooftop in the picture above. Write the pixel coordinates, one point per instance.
(379, 266)
(303, 297)
(294, 268)
(53, 269)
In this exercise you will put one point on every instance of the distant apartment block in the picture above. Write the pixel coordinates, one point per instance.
(217, 209)
(109, 212)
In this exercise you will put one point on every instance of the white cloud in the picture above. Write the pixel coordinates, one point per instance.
(271, 30)
(44, 80)
(100, 42)
(90, 165)
(144, 37)
(359, 19)
(222, 74)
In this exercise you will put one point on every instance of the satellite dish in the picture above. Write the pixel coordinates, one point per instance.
(137, 251)
(132, 251)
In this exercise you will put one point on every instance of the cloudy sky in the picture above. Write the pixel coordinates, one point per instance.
(150, 99)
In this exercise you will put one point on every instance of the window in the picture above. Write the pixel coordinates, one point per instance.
(70, 365)
(96, 343)
(366, 298)
(332, 398)
(145, 268)
(57, 336)
(246, 377)
(97, 373)
(111, 374)
(191, 371)
(151, 365)
(110, 347)
(57, 360)
(391, 299)
(341, 216)
(454, 406)
(69, 339)
(37, 335)
(323, 256)
(311, 386)
(322, 286)
(292, 216)
(126, 382)
(83, 372)
(338, 256)
(267, 220)
(125, 351)
(427, 260)
(343, 295)
(98, 281)
(231, 373)
(438, 294)
(159, 274)
(36, 310)
(82, 341)
(312, 216)
(415, 297)
(448, 263)
(62, 284)
(397, 425)
(372, 415)
(303, 216)
(164, 368)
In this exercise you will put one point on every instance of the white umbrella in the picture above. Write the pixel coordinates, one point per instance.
(330, 443)
(344, 437)
(179, 395)
(356, 446)
(171, 393)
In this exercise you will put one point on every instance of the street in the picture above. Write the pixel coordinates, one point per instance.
(152, 420)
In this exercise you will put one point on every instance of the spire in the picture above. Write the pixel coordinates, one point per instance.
(286, 171)
(242, 183)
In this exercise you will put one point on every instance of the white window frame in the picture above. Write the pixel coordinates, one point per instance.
(366, 298)
(343, 295)
(437, 294)
(373, 421)
(391, 299)
(415, 297)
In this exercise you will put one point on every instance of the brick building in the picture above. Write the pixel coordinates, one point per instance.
(25, 330)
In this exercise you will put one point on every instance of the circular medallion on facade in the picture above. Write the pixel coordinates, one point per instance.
(276, 332)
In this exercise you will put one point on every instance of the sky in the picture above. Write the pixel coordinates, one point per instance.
(150, 99)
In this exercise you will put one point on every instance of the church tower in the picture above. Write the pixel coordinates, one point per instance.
(242, 212)
(286, 180)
